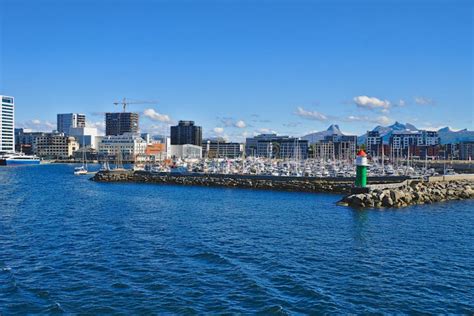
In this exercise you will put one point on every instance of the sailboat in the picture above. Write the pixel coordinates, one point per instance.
(82, 170)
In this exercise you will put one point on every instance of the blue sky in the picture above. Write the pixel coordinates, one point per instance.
(241, 67)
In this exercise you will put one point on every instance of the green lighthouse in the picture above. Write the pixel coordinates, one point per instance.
(361, 169)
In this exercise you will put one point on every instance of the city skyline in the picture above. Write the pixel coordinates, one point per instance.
(291, 68)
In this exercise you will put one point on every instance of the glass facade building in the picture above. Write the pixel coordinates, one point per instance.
(7, 124)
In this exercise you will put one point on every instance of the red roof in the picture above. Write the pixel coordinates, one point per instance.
(361, 153)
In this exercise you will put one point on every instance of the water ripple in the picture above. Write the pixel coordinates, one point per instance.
(69, 245)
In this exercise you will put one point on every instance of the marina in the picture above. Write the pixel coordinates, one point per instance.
(284, 168)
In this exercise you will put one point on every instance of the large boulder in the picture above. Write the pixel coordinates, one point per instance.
(387, 201)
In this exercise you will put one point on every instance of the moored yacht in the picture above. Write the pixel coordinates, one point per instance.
(79, 171)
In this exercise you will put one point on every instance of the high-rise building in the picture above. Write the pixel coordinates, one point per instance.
(70, 120)
(119, 123)
(7, 122)
(186, 133)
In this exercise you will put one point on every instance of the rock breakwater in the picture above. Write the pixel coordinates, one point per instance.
(235, 181)
(415, 192)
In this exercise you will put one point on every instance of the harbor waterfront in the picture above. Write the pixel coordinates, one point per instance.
(70, 245)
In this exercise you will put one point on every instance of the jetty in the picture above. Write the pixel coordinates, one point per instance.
(341, 185)
(381, 192)
(412, 192)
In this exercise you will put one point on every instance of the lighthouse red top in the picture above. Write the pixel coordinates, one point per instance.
(361, 153)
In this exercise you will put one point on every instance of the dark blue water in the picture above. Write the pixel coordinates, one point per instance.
(70, 245)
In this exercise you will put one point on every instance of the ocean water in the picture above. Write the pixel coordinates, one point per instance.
(69, 245)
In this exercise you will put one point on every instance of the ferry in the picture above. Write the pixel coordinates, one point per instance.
(18, 159)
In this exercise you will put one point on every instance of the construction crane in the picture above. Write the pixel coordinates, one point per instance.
(126, 102)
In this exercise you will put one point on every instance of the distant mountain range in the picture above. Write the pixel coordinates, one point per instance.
(316, 137)
(386, 131)
(446, 134)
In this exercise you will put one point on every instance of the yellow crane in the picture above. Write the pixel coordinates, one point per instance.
(126, 102)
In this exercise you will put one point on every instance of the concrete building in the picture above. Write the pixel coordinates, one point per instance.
(373, 144)
(55, 146)
(25, 140)
(186, 151)
(120, 123)
(156, 150)
(336, 147)
(419, 143)
(147, 137)
(186, 133)
(323, 150)
(7, 124)
(219, 148)
(85, 136)
(70, 120)
(430, 138)
(128, 145)
(274, 146)
(466, 150)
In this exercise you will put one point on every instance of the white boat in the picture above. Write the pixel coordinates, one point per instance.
(79, 171)
(82, 170)
(19, 159)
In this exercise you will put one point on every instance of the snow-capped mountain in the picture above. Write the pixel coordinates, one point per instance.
(386, 131)
(448, 135)
(317, 136)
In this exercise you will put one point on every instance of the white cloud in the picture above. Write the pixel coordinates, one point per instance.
(161, 129)
(310, 115)
(218, 130)
(371, 103)
(231, 122)
(402, 102)
(382, 120)
(38, 125)
(265, 131)
(240, 124)
(424, 101)
(155, 116)
(100, 125)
